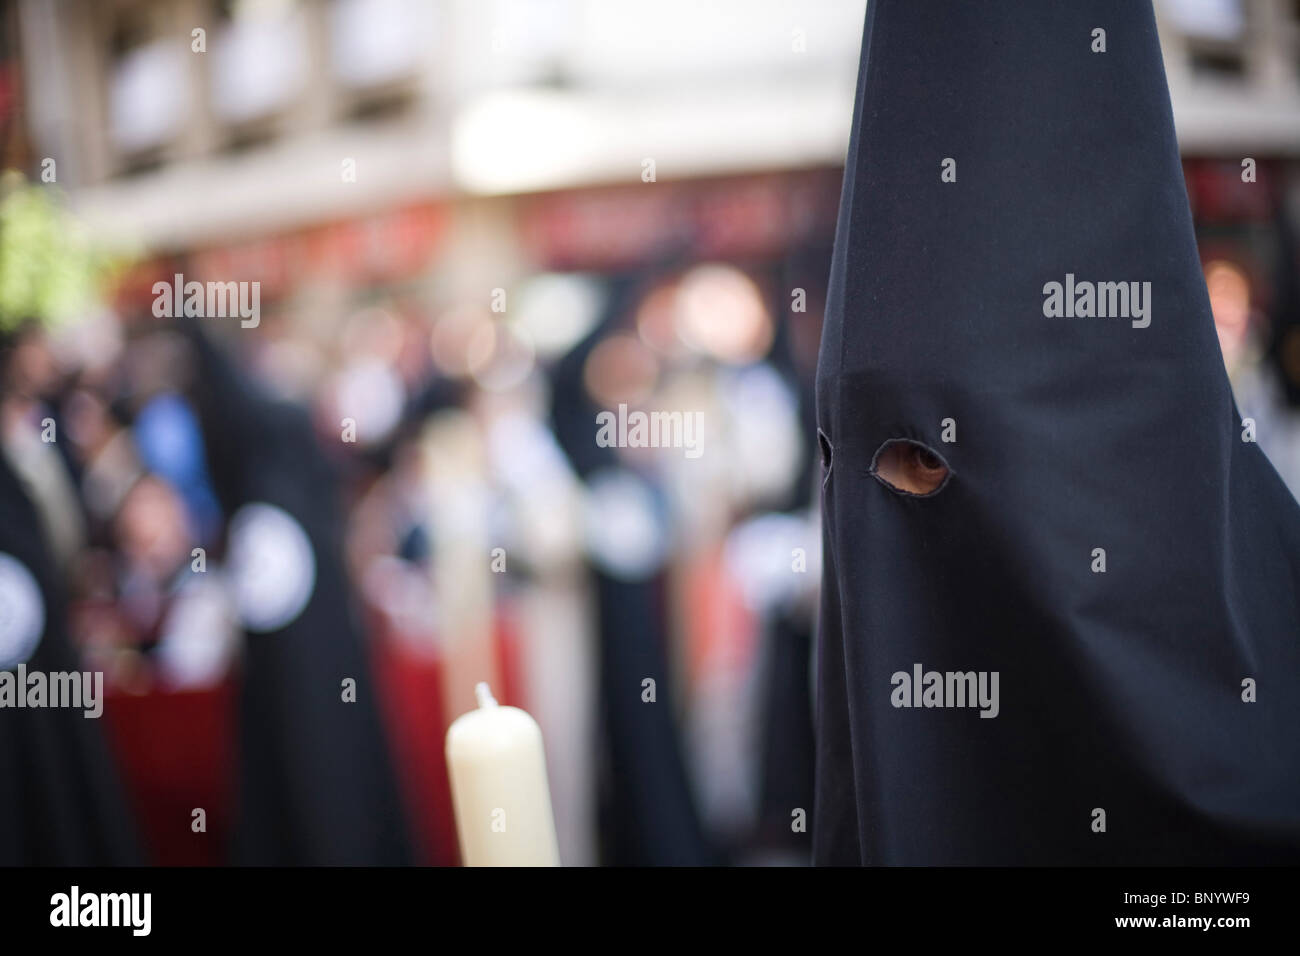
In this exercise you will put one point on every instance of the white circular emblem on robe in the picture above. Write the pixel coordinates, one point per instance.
(272, 567)
(625, 522)
(22, 612)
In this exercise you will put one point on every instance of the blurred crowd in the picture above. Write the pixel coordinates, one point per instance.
(428, 467)
(652, 609)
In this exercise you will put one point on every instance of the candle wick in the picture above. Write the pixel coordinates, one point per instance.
(484, 695)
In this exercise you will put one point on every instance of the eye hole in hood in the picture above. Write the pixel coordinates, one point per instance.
(910, 468)
(828, 452)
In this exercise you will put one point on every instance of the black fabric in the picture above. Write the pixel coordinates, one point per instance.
(786, 775)
(316, 783)
(1119, 690)
(61, 803)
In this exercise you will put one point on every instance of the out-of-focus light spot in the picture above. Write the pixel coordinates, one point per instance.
(656, 320)
(458, 343)
(500, 356)
(525, 453)
(519, 141)
(720, 313)
(372, 393)
(626, 524)
(374, 332)
(764, 442)
(760, 555)
(197, 645)
(290, 368)
(620, 370)
(556, 311)
(545, 526)
(1221, 20)
(403, 592)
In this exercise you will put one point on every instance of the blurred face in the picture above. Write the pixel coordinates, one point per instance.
(151, 528)
(87, 422)
(32, 369)
(1229, 292)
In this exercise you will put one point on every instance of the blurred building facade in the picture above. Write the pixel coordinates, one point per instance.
(181, 126)
(187, 125)
(264, 106)
(261, 101)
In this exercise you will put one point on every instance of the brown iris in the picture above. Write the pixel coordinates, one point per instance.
(910, 467)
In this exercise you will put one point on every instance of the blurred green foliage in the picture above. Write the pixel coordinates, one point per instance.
(48, 267)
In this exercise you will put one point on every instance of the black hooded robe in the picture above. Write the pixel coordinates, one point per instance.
(316, 782)
(648, 815)
(1106, 541)
(61, 802)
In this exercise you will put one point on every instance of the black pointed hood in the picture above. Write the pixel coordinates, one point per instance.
(1106, 543)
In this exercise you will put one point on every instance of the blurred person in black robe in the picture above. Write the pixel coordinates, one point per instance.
(1079, 513)
(786, 783)
(316, 784)
(61, 803)
(647, 810)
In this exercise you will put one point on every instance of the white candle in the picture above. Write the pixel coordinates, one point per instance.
(498, 787)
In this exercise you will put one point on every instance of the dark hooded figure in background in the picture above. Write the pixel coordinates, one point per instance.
(1061, 615)
(61, 802)
(316, 783)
